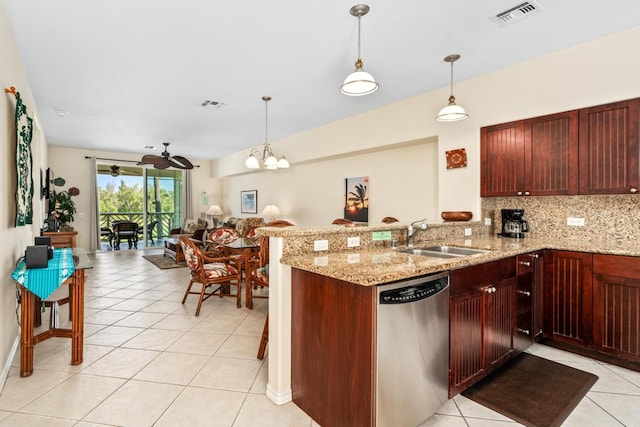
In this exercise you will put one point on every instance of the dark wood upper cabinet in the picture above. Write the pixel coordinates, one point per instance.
(593, 150)
(534, 157)
(609, 148)
(502, 159)
(551, 155)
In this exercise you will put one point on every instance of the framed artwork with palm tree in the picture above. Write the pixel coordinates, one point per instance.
(356, 199)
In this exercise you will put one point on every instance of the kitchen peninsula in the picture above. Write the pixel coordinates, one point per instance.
(375, 262)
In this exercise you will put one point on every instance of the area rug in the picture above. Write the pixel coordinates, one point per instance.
(534, 391)
(163, 262)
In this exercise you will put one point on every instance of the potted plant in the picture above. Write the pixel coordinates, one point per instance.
(61, 205)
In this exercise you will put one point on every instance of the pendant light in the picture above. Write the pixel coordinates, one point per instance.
(452, 112)
(268, 158)
(359, 82)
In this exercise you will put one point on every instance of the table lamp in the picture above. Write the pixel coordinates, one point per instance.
(271, 211)
(214, 210)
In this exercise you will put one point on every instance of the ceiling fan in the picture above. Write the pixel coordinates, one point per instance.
(115, 170)
(165, 160)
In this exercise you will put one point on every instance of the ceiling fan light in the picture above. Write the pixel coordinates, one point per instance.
(359, 83)
(252, 162)
(283, 163)
(452, 112)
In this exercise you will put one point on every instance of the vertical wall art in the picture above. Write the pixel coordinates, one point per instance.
(356, 199)
(249, 201)
(24, 162)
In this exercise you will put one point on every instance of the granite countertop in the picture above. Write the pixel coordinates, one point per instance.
(370, 267)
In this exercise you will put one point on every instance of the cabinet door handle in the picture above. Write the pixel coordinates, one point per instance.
(525, 293)
(524, 331)
(536, 256)
(525, 263)
(519, 193)
(491, 290)
(526, 193)
(633, 190)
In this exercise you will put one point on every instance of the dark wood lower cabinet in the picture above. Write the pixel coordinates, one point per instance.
(332, 349)
(616, 305)
(568, 297)
(482, 318)
(529, 300)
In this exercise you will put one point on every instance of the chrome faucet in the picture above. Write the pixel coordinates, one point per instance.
(411, 230)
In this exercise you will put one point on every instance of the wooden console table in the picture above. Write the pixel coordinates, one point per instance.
(76, 300)
(62, 239)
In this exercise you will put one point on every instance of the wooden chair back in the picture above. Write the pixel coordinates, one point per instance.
(389, 219)
(342, 221)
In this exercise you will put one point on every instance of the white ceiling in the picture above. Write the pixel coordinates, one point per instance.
(131, 73)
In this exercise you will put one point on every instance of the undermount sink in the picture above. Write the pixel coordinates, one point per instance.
(415, 251)
(454, 250)
(443, 251)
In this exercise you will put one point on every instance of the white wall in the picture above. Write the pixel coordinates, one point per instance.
(70, 163)
(313, 194)
(593, 73)
(14, 239)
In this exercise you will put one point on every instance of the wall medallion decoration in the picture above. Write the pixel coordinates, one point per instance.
(456, 158)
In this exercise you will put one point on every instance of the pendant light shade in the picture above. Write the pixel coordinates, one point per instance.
(452, 112)
(268, 158)
(359, 82)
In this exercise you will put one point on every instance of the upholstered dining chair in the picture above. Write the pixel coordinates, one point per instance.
(219, 272)
(219, 236)
(259, 276)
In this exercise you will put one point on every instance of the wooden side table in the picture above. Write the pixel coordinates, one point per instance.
(62, 239)
(173, 249)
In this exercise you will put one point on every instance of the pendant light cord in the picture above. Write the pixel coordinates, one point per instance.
(359, 56)
(266, 121)
(451, 80)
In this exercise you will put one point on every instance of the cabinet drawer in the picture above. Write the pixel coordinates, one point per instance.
(481, 275)
(617, 265)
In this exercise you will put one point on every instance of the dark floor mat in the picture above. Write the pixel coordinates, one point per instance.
(534, 391)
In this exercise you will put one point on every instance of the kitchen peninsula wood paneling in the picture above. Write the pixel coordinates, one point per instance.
(609, 148)
(594, 150)
(332, 349)
(534, 157)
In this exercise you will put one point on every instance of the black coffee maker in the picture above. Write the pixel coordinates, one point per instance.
(512, 223)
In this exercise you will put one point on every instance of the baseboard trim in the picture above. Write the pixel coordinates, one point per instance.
(7, 363)
(279, 398)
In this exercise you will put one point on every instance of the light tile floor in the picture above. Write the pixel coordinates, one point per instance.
(149, 361)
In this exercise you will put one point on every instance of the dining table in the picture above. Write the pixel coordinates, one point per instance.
(244, 249)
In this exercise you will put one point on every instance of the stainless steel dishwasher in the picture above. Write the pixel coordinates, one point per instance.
(412, 350)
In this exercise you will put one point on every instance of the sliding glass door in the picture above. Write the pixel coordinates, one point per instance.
(149, 197)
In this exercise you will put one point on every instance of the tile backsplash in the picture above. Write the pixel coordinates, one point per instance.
(610, 217)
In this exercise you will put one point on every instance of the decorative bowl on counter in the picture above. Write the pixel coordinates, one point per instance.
(456, 215)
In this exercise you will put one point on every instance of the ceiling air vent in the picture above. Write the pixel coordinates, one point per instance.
(515, 13)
